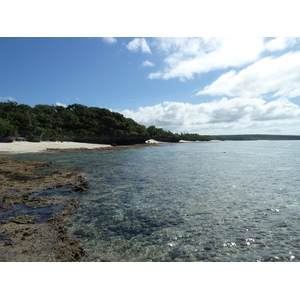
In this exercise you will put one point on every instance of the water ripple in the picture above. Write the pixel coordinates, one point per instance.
(190, 202)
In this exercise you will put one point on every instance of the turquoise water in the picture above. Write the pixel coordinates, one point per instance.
(217, 201)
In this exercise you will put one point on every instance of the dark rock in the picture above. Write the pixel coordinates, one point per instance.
(8, 243)
(25, 237)
(208, 247)
(24, 219)
(79, 232)
(271, 258)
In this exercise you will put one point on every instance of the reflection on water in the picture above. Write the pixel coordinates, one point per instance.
(226, 201)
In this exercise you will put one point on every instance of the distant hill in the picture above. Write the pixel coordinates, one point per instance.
(255, 137)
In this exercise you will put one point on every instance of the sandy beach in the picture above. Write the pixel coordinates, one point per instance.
(30, 147)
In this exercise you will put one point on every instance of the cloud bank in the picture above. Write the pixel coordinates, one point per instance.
(277, 75)
(235, 116)
(255, 84)
(187, 57)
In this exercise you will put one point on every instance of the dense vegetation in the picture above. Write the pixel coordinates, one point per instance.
(78, 123)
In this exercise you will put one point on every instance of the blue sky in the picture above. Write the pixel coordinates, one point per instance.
(204, 85)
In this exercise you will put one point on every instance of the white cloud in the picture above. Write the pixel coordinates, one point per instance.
(280, 43)
(147, 63)
(60, 104)
(251, 70)
(186, 57)
(226, 116)
(109, 40)
(138, 44)
(277, 75)
(7, 99)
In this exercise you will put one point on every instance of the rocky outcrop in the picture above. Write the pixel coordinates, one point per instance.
(25, 237)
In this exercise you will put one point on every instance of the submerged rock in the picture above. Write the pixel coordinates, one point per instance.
(28, 238)
(23, 219)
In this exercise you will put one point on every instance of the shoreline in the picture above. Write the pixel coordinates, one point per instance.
(36, 147)
(26, 233)
(42, 147)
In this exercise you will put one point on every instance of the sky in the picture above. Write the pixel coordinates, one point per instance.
(205, 85)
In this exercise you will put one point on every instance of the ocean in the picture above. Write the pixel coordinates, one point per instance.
(232, 201)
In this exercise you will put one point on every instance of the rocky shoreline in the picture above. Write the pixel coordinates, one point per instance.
(116, 147)
(26, 238)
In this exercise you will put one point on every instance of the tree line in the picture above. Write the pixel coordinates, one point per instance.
(77, 122)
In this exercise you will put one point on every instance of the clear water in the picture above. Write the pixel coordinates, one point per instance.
(41, 214)
(222, 201)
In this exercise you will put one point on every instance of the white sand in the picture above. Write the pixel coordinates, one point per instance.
(29, 147)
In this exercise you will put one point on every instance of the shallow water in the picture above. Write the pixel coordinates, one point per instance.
(222, 201)
(41, 214)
